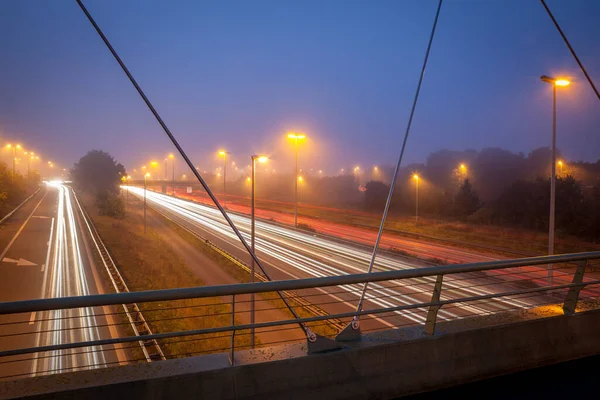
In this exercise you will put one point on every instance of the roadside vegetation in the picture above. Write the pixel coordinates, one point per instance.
(14, 188)
(148, 262)
(489, 197)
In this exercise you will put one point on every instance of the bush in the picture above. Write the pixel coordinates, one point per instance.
(110, 204)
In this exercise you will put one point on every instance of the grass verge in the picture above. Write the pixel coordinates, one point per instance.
(148, 262)
(241, 275)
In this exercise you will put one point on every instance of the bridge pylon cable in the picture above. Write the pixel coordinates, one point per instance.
(571, 48)
(311, 337)
(352, 331)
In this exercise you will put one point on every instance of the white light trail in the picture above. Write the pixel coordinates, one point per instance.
(319, 257)
(68, 278)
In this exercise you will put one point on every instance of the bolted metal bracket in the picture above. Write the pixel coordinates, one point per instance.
(351, 333)
(321, 344)
(573, 295)
(434, 308)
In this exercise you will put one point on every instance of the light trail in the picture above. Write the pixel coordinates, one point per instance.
(67, 277)
(319, 257)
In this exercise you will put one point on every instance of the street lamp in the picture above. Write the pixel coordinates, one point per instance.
(260, 159)
(555, 83)
(147, 175)
(172, 157)
(301, 182)
(224, 155)
(416, 178)
(31, 156)
(560, 165)
(296, 137)
(14, 151)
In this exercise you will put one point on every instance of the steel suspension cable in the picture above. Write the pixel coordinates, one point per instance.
(571, 48)
(393, 184)
(310, 335)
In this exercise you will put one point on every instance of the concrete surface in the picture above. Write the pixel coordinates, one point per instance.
(369, 369)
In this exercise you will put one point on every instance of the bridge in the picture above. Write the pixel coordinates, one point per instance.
(326, 313)
(543, 325)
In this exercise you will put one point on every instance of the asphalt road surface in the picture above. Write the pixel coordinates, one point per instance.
(48, 256)
(290, 254)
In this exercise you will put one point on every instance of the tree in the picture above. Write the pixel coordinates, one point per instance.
(97, 172)
(466, 201)
(110, 204)
(376, 195)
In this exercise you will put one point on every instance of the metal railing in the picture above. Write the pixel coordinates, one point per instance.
(137, 322)
(445, 293)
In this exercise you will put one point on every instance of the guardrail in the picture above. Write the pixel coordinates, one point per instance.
(510, 285)
(7, 216)
(137, 322)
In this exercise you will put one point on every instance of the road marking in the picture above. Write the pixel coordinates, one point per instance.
(32, 318)
(25, 263)
(40, 216)
(43, 268)
(43, 295)
(22, 227)
(9, 260)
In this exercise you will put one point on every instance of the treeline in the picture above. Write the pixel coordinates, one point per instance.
(493, 186)
(14, 188)
(496, 186)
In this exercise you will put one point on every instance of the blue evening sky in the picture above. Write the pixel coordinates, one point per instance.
(239, 74)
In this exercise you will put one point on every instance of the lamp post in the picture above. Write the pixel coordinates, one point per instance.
(14, 158)
(301, 182)
(560, 165)
(172, 157)
(31, 156)
(296, 137)
(555, 83)
(145, 185)
(416, 178)
(252, 239)
(166, 161)
(224, 154)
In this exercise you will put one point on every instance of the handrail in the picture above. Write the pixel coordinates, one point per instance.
(273, 286)
(268, 324)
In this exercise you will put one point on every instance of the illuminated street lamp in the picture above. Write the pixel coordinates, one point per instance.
(31, 156)
(301, 183)
(125, 180)
(555, 83)
(172, 157)
(560, 165)
(14, 151)
(223, 154)
(295, 137)
(261, 159)
(416, 178)
(463, 168)
(147, 175)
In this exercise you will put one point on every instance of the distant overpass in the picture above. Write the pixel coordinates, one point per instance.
(562, 324)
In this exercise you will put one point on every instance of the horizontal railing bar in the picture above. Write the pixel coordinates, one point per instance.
(258, 325)
(274, 286)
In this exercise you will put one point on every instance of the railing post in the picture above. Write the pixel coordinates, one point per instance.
(573, 294)
(434, 307)
(232, 349)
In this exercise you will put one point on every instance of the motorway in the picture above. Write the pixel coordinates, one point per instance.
(291, 254)
(48, 256)
(358, 234)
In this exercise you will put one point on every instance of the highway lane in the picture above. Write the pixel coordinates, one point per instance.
(52, 260)
(366, 236)
(292, 254)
